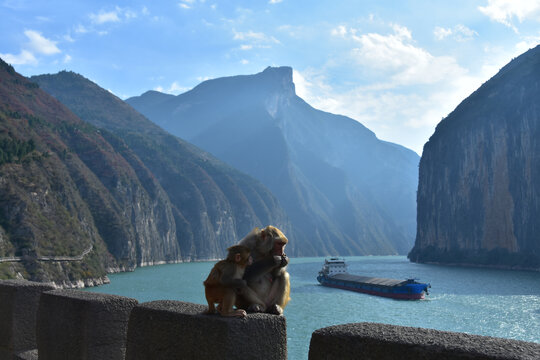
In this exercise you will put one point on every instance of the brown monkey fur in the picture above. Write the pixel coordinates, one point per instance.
(268, 283)
(224, 280)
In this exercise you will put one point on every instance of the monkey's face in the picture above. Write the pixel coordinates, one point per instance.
(279, 248)
(245, 260)
(275, 240)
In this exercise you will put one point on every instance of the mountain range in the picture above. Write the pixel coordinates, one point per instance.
(213, 204)
(69, 188)
(83, 173)
(345, 191)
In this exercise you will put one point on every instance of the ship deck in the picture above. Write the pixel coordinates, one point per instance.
(369, 280)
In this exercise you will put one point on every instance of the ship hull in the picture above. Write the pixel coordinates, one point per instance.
(404, 292)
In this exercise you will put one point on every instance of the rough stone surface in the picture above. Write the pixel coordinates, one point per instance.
(381, 341)
(74, 324)
(179, 330)
(19, 301)
(26, 355)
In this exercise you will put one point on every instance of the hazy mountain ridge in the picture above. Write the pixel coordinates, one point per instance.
(213, 204)
(479, 186)
(345, 191)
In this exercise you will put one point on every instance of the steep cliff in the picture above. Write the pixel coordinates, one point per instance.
(479, 184)
(213, 204)
(67, 187)
(345, 191)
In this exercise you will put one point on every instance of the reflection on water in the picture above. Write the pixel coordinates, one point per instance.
(474, 300)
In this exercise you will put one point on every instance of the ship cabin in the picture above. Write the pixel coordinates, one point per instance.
(334, 266)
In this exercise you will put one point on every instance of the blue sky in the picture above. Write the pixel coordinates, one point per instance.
(398, 67)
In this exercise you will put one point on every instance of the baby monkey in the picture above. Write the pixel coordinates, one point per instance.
(224, 280)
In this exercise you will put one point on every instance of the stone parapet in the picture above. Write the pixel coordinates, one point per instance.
(389, 342)
(38, 322)
(74, 324)
(179, 330)
(19, 300)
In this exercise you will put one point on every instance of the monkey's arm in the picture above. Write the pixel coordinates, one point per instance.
(228, 279)
(262, 267)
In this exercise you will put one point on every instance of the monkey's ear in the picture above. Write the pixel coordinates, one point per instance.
(237, 257)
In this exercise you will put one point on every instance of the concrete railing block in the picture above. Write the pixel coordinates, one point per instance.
(382, 342)
(178, 330)
(75, 324)
(19, 301)
(27, 355)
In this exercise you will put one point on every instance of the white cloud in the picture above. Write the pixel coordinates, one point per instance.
(404, 117)
(81, 29)
(504, 11)
(339, 31)
(115, 16)
(203, 78)
(43, 19)
(105, 17)
(175, 88)
(253, 40)
(130, 14)
(67, 59)
(441, 33)
(39, 44)
(398, 58)
(244, 62)
(255, 37)
(186, 4)
(459, 32)
(275, 1)
(407, 89)
(68, 38)
(527, 43)
(25, 57)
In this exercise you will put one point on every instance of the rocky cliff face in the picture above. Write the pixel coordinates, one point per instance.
(212, 204)
(67, 187)
(345, 191)
(479, 184)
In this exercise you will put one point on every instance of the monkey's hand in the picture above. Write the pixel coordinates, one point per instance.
(261, 267)
(281, 261)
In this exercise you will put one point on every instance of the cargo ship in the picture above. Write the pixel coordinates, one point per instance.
(334, 274)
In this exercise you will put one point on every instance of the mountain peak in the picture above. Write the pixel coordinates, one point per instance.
(281, 76)
(284, 72)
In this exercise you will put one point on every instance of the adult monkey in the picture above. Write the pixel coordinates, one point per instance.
(267, 278)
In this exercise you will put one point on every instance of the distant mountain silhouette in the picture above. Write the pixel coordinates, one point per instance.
(479, 186)
(345, 191)
(213, 204)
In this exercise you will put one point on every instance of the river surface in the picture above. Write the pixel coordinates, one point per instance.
(480, 301)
